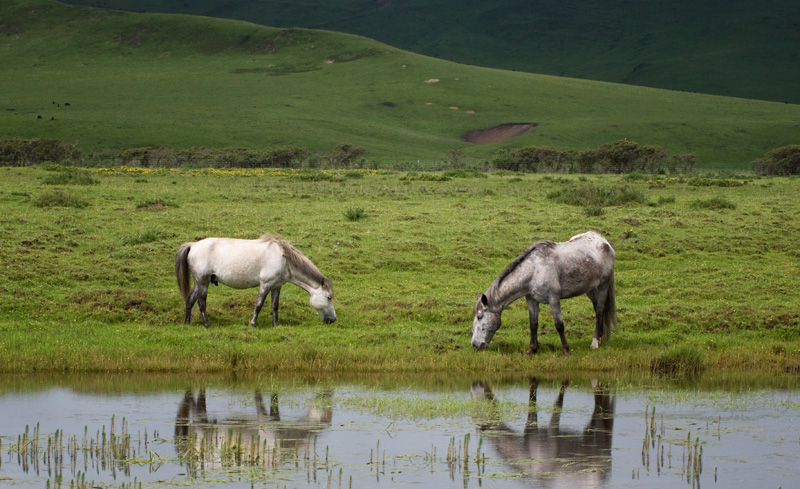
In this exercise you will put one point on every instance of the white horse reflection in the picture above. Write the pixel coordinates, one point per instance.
(552, 456)
(263, 438)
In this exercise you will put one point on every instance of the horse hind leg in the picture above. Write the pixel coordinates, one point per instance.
(190, 301)
(555, 307)
(598, 299)
(202, 294)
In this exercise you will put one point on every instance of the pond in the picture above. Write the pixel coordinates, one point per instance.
(456, 431)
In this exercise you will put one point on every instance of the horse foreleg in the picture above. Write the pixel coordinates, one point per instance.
(555, 307)
(276, 295)
(533, 315)
(263, 290)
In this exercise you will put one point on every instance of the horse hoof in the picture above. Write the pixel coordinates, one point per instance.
(595, 344)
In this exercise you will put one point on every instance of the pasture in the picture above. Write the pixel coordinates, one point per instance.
(706, 268)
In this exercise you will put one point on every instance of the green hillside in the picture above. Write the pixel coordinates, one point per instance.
(107, 79)
(735, 48)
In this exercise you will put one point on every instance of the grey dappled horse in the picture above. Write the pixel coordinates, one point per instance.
(545, 273)
(266, 263)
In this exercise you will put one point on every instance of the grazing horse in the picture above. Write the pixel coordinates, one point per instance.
(545, 273)
(266, 263)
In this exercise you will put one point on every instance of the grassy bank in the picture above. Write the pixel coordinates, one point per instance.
(705, 266)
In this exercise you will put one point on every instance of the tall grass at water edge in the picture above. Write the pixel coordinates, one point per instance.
(92, 288)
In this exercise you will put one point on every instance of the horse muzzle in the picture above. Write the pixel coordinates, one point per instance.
(329, 319)
(479, 345)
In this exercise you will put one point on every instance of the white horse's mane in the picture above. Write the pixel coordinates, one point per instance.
(298, 261)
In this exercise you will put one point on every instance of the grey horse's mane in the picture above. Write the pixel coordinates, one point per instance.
(537, 246)
(300, 262)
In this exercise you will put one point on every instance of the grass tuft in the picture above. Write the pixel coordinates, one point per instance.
(679, 361)
(355, 214)
(59, 198)
(597, 196)
(714, 204)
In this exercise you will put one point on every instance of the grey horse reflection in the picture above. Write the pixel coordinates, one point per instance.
(551, 455)
(262, 438)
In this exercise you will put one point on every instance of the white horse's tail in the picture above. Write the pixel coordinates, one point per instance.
(182, 270)
(610, 310)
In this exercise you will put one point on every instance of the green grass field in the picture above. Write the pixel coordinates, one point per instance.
(741, 49)
(106, 80)
(706, 270)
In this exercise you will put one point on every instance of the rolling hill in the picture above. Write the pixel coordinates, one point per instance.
(105, 79)
(736, 48)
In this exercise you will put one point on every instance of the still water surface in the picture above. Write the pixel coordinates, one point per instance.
(398, 432)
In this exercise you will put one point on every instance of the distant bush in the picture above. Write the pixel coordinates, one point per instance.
(342, 156)
(26, 152)
(622, 156)
(781, 161)
(534, 159)
(147, 157)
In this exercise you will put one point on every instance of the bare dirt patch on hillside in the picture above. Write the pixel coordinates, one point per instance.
(497, 134)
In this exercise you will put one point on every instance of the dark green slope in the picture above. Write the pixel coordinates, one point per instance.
(737, 48)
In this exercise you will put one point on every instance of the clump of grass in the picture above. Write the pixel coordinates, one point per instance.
(355, 214)
(71, 177)
(597, 196)
(464, 174)
(678, 361)
(141, 238)
(425, 177)
(155, 205)
(594, 210)
(59, 198)
(715, 204)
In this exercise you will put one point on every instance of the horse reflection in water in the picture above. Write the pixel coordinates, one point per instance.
(552, 456)
(263, 438)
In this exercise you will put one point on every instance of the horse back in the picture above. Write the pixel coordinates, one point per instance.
(238, 263)
(583, 263)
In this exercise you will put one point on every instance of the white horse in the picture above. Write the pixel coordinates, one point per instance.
(546, 273)
(266, 263)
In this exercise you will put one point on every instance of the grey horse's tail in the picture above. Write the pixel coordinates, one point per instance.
(182, 269)
(610, 310)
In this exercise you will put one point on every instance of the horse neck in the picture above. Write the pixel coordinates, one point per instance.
(512, 287)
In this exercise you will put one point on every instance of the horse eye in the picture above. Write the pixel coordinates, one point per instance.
(480, 317)
(330, 298)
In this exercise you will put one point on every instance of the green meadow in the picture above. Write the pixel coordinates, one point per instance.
(706, 270)
(106, 81)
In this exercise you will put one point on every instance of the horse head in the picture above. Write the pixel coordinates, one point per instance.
(485, 323)
(321, 299)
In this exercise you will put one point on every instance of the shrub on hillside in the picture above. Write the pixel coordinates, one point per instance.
(535, 159)
(26, 152)
(147, 157)
(781, 161)
(622, 156)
